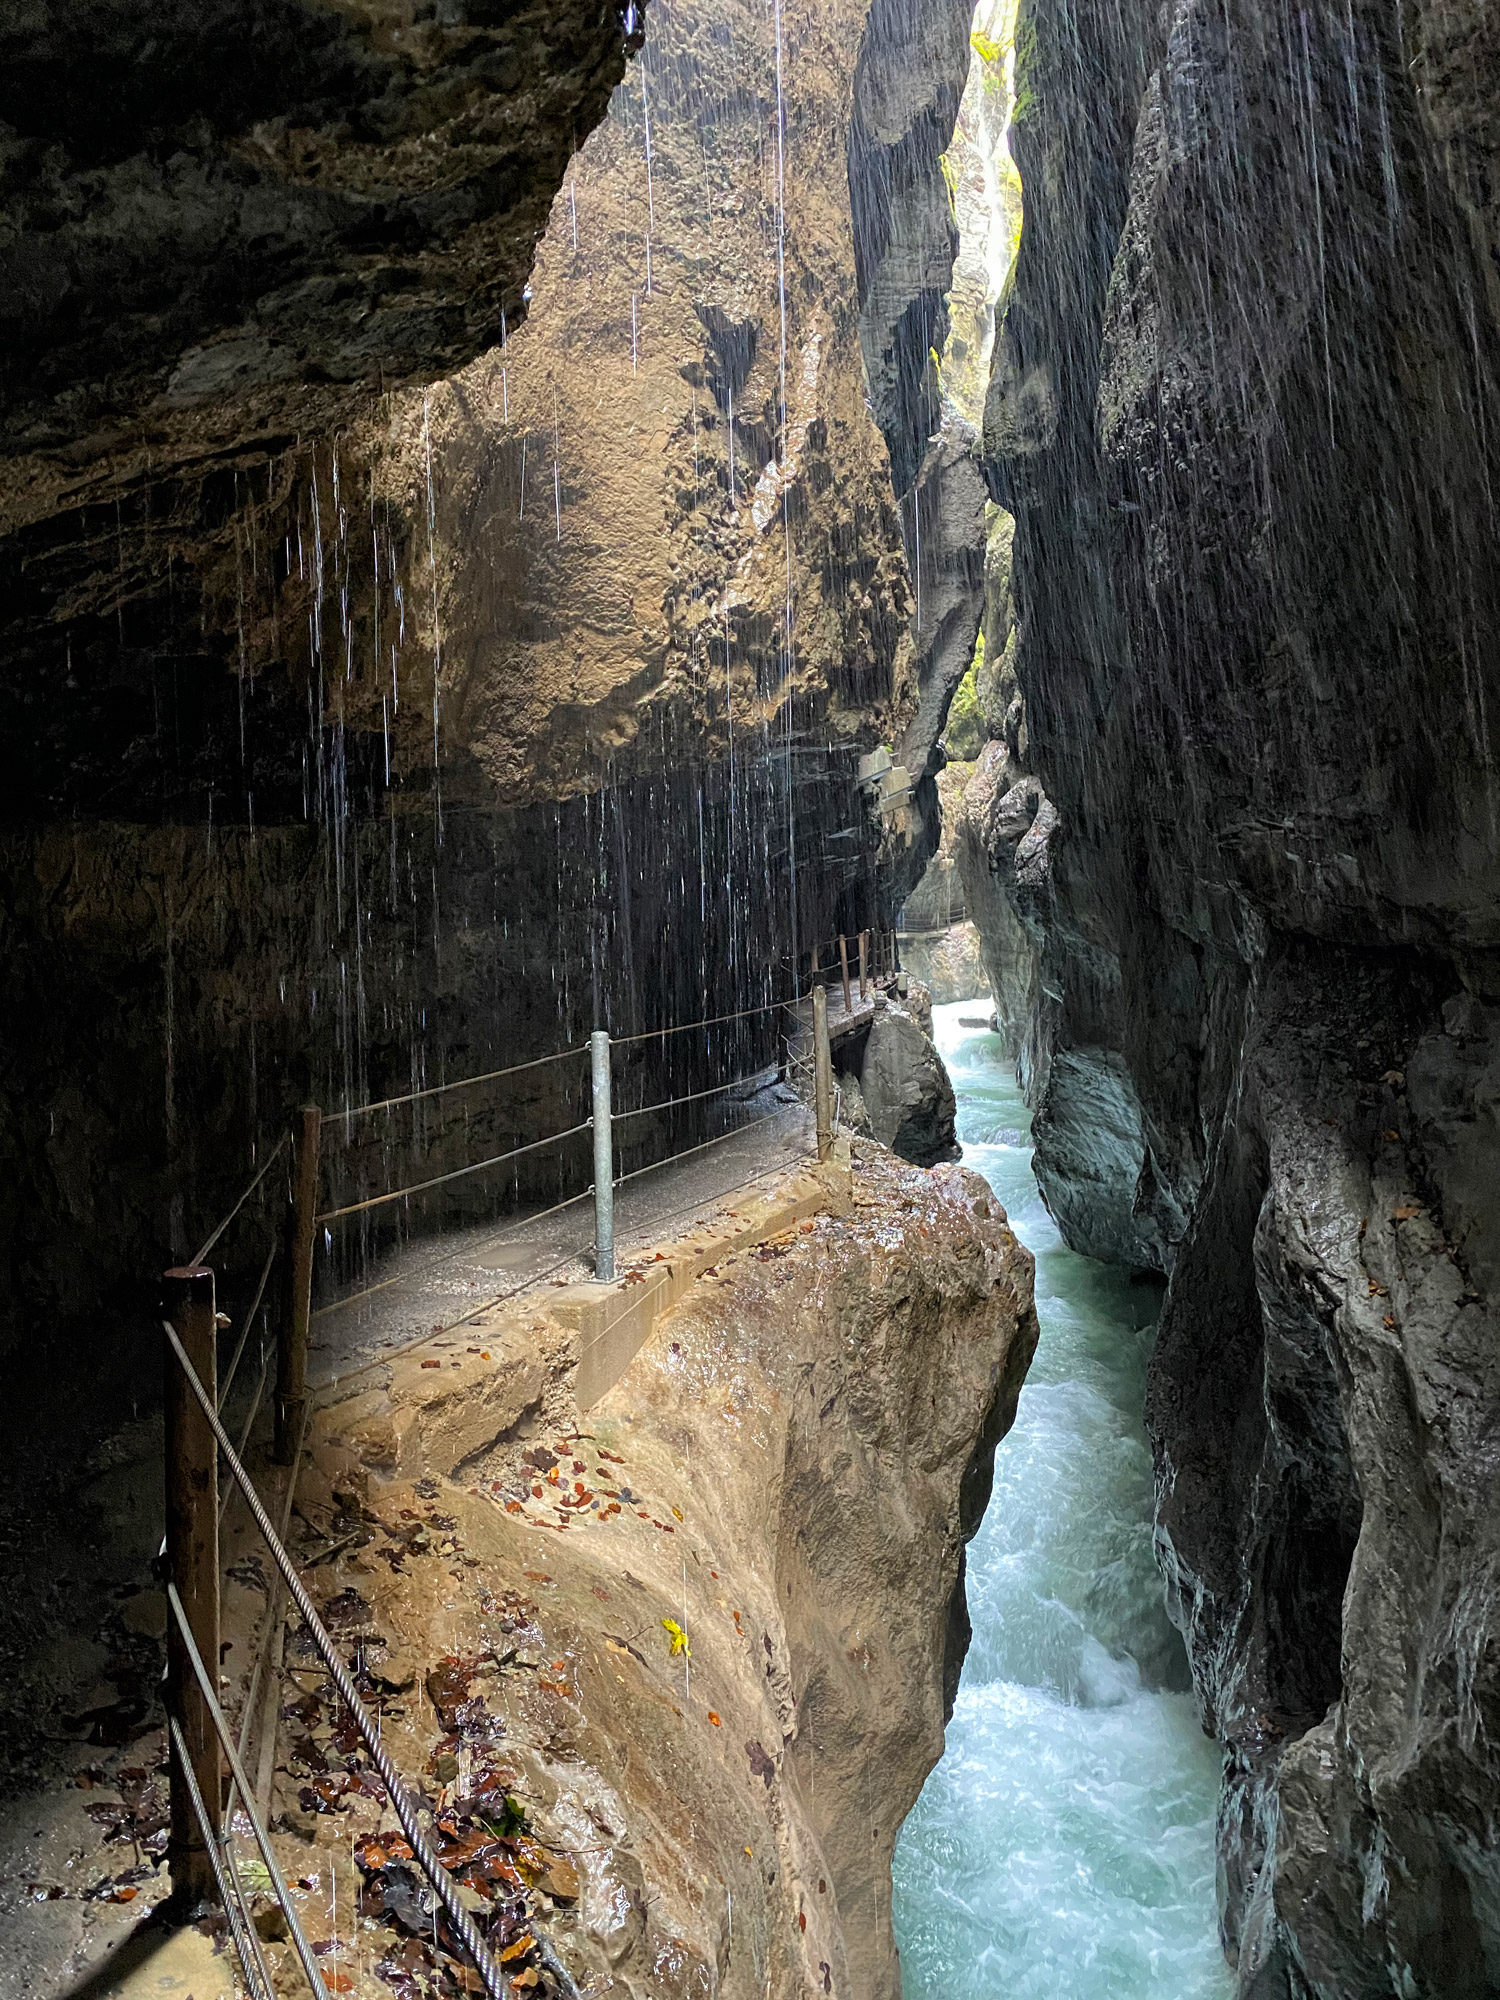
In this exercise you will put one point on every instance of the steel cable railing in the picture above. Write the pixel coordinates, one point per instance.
(251, 1963)
(249, 1321)
(307, 1217)
(490, 1973)
(512, 1229)
(193, 1562)
(461, 1083)
(719, 1139)
(697, 1096)
(685, 1027)
(266, 1167)
(227, 1744)
(291, 1378)
(456, 1173)
(307, 1223)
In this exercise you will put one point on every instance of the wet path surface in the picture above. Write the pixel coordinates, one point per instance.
(437, 1281)
(1063, 1849)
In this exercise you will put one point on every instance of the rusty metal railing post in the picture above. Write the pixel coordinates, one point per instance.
(844, 970)
(864, 965)
(291, 1345)
(822, 1074)
(192, 1482)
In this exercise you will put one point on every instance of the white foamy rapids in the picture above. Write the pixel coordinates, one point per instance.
(1063, 1849)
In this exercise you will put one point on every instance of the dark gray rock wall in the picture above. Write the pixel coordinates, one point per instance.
(225, 232)
(908, 82)
(1245, 412)
(216, 205)
(907, 1096)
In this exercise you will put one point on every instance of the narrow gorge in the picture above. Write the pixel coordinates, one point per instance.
(750, 787)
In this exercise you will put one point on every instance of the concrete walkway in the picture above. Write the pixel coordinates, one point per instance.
(440, 1281)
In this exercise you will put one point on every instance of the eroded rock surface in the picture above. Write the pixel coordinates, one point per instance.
(950, 963)
(265, 218)
(908, 1099)
(1244, 412)
(344, 764)
(784, 1480)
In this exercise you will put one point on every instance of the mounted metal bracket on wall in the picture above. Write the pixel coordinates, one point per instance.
(192, 1555)
(822, 1073)
(604, 1161)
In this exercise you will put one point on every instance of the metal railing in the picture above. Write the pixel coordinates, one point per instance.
(203, 1747)
(202, 1742)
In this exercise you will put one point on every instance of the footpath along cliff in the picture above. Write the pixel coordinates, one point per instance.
(674, 1669)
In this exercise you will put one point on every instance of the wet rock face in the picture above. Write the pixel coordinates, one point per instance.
(1244, 411)
(340, 766)
(913, 64)
(662, 511)
(218, 209)
(950, 964)
(743, 1572)
(909, 80)
(226, 233)
(908, 1099)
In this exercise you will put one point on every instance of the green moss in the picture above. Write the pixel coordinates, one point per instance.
(1028, 63)
(965, 735)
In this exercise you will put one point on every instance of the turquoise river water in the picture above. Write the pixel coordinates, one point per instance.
(1063, 1848)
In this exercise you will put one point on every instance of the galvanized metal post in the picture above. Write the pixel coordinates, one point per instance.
(192, 1523)
(864, 965)
(844, 970)
(291, 1345)
(604, 1161)
(822, 1074)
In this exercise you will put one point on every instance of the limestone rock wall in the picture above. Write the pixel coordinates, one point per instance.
(661, 514)
(220, 224)
(360, 741)
(1244, 412)
(786, 1476)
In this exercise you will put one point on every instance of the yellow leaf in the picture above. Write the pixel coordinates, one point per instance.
(678, 1637)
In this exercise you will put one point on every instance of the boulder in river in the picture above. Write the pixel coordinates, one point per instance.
(908, 1098)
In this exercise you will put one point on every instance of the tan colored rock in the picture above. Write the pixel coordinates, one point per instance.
(797, 1455)
(685, 399)
(950, 964)
(438, 1408)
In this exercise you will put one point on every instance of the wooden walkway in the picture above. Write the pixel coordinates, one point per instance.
(840, 1024)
